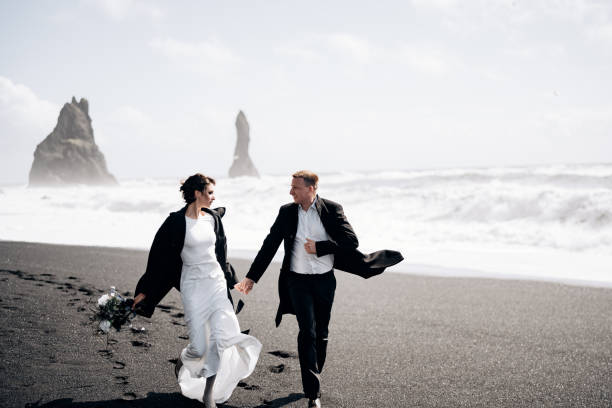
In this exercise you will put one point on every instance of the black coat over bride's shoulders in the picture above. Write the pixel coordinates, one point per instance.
(164, 265)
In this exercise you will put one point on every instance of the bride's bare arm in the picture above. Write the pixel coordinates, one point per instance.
(139, 298)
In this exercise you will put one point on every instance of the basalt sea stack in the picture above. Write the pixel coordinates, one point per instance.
(69, 155)
(242, 165)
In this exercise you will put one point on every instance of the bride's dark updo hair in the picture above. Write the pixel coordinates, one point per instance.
(197, 182)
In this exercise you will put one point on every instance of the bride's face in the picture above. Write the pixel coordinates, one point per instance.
(205, 197)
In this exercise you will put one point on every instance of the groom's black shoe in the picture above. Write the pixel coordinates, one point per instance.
(314, 403)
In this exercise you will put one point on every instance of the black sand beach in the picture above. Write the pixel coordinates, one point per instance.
(395, 340)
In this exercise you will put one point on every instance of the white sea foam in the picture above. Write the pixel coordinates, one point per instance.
(548, 222)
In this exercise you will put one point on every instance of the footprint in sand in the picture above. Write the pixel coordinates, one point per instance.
(121, 380)
(246, 386)
(138, 343)
(277, 368)
(106, 353)
(119, 365)
(86, 290)
(178, 315)
(283, 354)
(73, 278)
(183, 337)
(142, 330)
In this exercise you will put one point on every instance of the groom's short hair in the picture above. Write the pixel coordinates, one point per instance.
(310, 178)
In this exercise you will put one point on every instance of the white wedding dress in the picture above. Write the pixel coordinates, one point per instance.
(216, 345)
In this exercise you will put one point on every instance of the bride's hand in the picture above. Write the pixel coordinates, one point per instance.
(245, 286)
(139, 298)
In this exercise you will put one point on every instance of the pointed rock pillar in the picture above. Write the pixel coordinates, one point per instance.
(242, 164)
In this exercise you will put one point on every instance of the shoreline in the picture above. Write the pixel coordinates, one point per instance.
(404, 268)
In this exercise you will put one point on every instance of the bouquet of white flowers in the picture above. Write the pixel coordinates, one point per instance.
(114, 311)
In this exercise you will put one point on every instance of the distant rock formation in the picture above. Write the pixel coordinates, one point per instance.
(242, 165)
(69, 155)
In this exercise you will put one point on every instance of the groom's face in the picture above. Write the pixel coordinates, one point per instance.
(301, 193)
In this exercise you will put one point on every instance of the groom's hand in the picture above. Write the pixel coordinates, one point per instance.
(244, 286)
(310, 246)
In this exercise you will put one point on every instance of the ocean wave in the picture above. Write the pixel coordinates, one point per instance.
(567, 207)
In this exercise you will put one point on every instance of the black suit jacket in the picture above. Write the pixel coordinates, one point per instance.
(164, 265)
(342, 243)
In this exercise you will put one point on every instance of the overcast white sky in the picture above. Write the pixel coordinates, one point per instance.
(325, 85)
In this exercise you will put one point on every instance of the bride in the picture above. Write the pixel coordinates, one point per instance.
(189, 252)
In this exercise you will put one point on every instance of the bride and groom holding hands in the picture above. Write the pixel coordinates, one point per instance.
(189, 253)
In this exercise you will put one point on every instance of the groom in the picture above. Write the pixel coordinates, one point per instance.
(317, 237)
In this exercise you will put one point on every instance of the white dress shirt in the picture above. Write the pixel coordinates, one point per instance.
(310, 226)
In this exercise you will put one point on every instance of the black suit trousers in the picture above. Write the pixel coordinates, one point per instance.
(312, 297)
